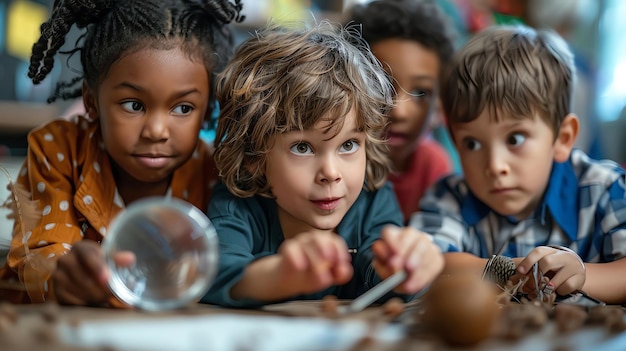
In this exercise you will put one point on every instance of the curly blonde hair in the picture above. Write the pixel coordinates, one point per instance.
(286, 79)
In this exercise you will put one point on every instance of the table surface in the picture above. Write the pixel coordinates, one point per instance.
(291, 327)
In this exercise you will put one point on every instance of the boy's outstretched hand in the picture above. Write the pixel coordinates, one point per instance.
(411, 250)
(565, 268)
(311, 262)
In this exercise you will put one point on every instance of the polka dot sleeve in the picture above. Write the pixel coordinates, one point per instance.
(49, 174)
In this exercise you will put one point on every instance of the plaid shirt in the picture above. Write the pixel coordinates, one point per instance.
(584, 208)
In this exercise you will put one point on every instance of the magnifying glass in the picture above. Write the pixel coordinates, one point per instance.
(162, 253)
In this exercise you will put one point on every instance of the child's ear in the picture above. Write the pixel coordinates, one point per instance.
(565, 139)
(89, 99)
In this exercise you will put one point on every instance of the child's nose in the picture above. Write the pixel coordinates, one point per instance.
(497, 163)
(156, 127)
(329, 170)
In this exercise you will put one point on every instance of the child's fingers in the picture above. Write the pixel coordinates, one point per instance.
(67, 297)
(382, 257)
(320, 260)
(329, 259)
(566, 273)
(75, 285)
(563, 282)
(124, 258)
(533, 257)
(382, 252)
(63, 289)
(571, 284)
(329, 247)
(91, 258)
(95, 274)
(406, 246)
(342, 273)
(421, 251)
(400, 242)
(391, 235)
(423, 265)
(293, 256)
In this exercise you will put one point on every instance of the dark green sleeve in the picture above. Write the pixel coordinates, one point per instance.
(238, 223)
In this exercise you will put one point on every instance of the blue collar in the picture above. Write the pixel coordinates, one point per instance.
(560, 198)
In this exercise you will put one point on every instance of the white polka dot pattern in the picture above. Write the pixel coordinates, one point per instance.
(64, 205)
(60, 169)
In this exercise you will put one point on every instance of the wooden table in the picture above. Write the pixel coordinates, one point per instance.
(290, 327)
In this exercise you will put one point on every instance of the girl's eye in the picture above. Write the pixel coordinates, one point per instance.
(349, 147)
(472, 144)
(516, 139)
(132, 106)
(301, 149)
(183, 109)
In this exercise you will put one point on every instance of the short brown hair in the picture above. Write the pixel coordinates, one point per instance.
(512, 70)
(288, 79)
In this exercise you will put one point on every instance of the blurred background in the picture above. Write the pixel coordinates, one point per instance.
(594, 29)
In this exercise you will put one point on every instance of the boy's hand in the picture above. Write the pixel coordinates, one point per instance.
(311, 262)
(564, 267)
(82, 274)
(411, 250)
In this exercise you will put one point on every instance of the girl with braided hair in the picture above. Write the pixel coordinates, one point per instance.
(147, 87)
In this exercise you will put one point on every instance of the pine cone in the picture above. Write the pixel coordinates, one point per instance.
(499, 269)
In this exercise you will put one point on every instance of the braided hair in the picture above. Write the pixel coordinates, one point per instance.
(113, 27)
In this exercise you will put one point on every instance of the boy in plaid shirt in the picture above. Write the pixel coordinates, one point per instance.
(525, 193)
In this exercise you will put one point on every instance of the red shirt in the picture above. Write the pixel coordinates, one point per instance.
(428, 163)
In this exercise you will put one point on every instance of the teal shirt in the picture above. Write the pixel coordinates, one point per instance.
(248, 229)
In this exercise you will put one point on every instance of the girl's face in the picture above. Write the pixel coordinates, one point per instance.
(151, 105)
(316, 179)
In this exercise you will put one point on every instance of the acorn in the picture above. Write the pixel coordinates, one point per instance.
(461, 309)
